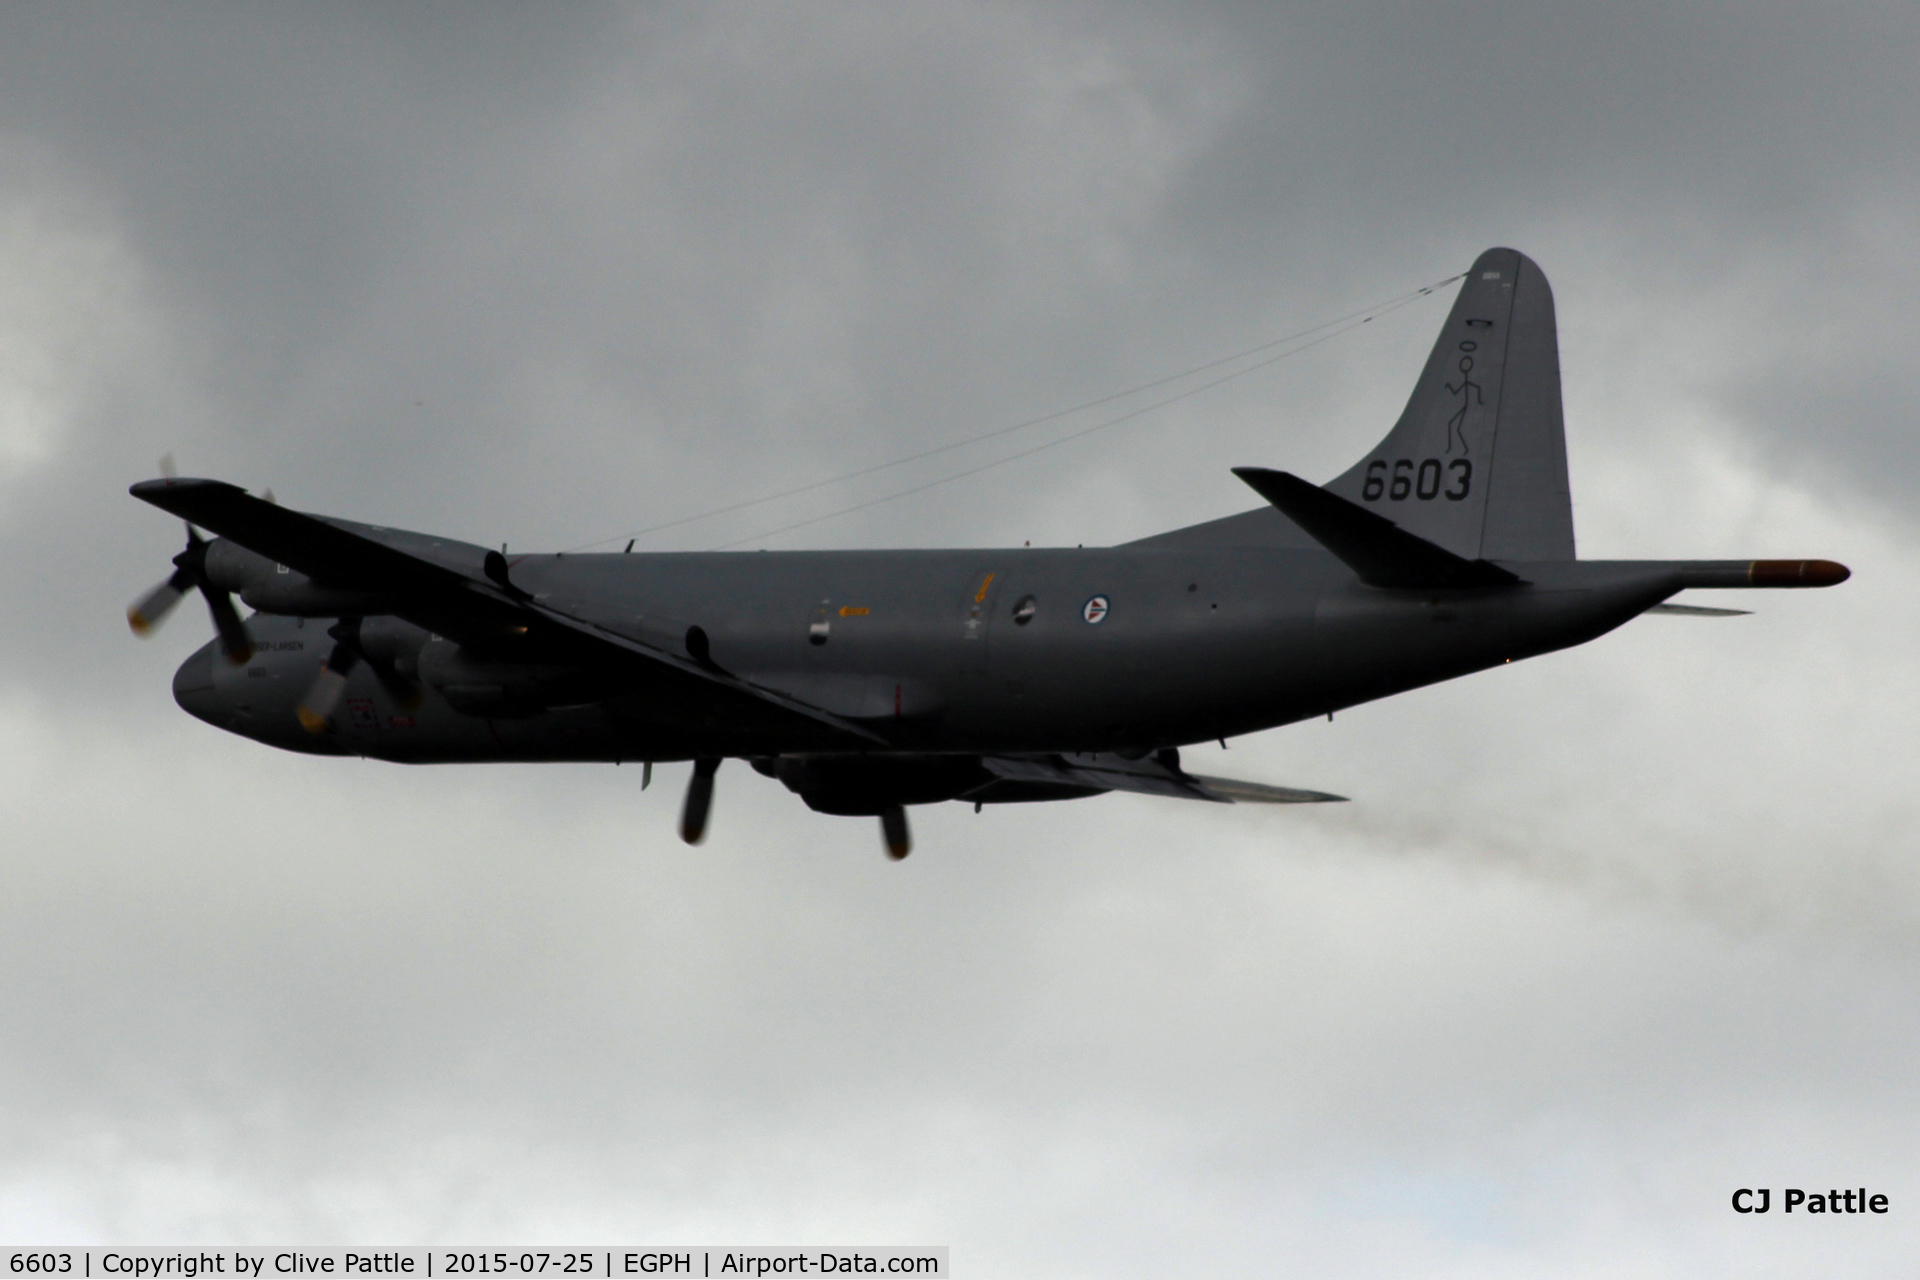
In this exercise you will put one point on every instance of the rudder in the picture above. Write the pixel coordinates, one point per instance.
(1478, 461)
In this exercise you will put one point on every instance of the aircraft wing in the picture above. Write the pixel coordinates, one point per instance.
(1150, 775)
(461, 591)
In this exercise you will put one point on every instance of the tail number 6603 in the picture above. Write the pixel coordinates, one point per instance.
(1422, 481)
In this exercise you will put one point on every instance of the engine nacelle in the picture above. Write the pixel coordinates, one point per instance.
(476, 685)
(275, 588)
(394, 643)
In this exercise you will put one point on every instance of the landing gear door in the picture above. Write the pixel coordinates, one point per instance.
(976, 619)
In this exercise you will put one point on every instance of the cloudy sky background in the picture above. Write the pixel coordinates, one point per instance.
(1603, 936)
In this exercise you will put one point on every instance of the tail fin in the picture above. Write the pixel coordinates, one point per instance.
(1478, 461)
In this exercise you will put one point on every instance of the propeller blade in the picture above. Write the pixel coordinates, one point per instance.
(167, 468)
(323, 695)
(893, 830)
(693, 814)
(234, 640)
(190, 573)
(147, 613)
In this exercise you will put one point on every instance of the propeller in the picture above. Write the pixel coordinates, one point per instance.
(893, 830)
(190, 574)
(323, 695)
(699, 802)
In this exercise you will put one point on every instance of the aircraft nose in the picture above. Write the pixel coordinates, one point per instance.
(193, 685)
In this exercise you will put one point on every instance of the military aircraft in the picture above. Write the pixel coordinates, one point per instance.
(867, 681)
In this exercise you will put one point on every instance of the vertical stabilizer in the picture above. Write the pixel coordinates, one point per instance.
(1478, 461)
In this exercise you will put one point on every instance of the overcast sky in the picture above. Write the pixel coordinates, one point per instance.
(1602, 937)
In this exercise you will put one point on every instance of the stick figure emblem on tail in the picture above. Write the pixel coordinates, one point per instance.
(1469, 393)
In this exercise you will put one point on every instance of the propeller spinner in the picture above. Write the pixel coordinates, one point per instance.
(349, 651)
(190, 574)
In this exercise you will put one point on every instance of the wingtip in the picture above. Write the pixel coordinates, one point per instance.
(1272, 485)
(150, 490)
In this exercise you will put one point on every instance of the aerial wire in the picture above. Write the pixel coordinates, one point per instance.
(1098, 426)
(1357, 318)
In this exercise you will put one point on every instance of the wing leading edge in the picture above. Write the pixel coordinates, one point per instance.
(445, 586)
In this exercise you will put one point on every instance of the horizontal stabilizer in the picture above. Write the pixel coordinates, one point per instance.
(1260, 793)
(1156, 775)
(1374, 547)
(1698, 611)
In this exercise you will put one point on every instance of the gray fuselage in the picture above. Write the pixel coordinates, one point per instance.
(981, 652)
